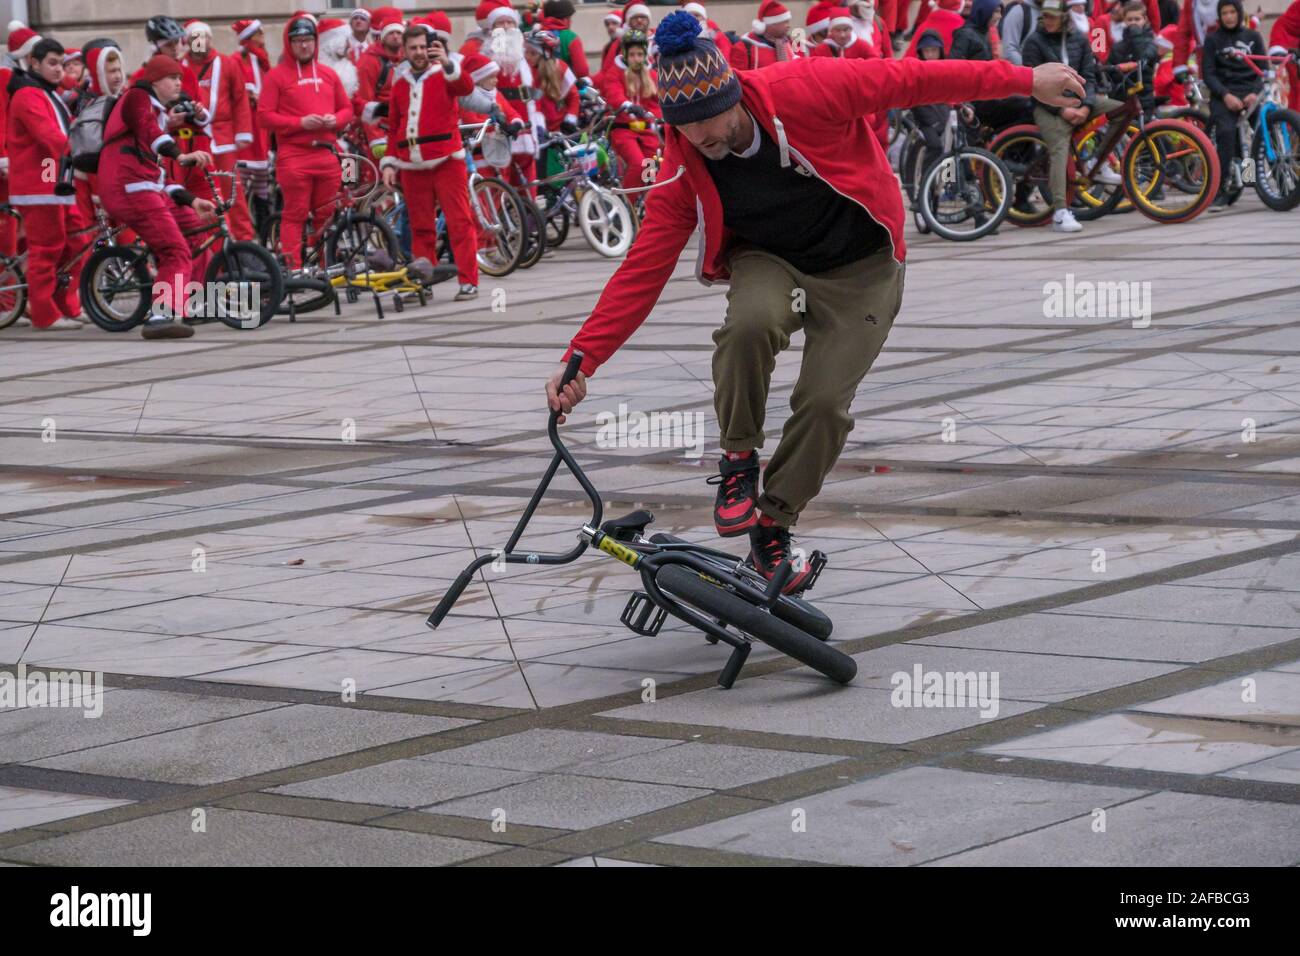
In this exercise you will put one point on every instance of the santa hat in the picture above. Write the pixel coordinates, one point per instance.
(245, 28)
(696, 9)
(193, 27)
(635, 9)
(21, 39)
(385, 20)
(615, 16)
(1165, 38)
(97, 66)
(331, 23)
(479, 67)
(360, 12)
(771, 12)
(439, 23)
(819, 17)
(501, 11)
(70, 54)
(840, 17)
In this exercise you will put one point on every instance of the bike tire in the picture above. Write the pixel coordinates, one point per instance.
(363, 231)
(500, 212)
(535, 244)
(1146, 140)
(992, 165)
(606, 222)
(308, 295)
(557, 227)
(686, 584)
(110, 271)
(241, 262)
(13, 293)
(1022, 151)
(1288, 197)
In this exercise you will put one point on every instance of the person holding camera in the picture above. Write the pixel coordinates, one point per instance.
(134, 190)
(40, 185)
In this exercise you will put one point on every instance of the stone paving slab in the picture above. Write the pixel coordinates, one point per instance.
(251, 744)
(405, 783)
(903, 818)
(240, 838)
(28, 808)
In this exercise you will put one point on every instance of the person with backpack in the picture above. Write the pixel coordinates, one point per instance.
(1019, 21)
(375, 74)
(135, 190)
(230, 121)
(1056, 41)
(557, 16)
(40, 186)
(106, 79)
(305, 106)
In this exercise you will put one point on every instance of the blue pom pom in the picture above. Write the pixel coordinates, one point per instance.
(676, 33)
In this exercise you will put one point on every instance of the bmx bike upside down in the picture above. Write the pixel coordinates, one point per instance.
(709, 589)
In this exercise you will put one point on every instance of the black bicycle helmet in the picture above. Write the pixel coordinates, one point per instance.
(160, 29)
(302, 27)
(633, 38)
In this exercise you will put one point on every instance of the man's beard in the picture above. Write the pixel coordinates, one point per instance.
(506, 49)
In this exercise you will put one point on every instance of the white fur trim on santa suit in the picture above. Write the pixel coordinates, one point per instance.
(840, 22)
(413, 109)
(697, 9)
(334, 50)
(26, 49)
(613, 17)
(197, 26)
(390, 28)
(489, 68)
(249, 30)
(359, 12)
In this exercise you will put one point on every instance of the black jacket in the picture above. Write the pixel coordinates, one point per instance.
(1137, 46)
(1222, 71)
(1067, 46)
(971, 41)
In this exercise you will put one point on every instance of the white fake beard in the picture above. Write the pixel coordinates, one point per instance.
(334, 54)
(506, 49)
(1080, 21)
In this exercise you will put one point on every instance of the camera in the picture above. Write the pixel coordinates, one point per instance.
(66, 184)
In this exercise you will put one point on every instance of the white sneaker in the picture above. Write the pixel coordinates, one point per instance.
(59, 325)
(1063, 221)
(1107, 176)
(23, 322)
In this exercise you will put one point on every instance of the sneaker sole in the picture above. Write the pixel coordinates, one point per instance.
(736, 530)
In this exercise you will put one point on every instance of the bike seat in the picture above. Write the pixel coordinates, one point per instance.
(629, 526)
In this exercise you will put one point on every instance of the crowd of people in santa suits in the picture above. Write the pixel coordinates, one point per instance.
(402, 86)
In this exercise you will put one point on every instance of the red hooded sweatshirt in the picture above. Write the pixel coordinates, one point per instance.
(816, 110)
(291, 91)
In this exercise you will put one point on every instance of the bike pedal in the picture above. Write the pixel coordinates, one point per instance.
(642, 616)
(816, 561)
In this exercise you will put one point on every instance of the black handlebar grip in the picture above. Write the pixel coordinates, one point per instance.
(571, 370)
(449, 599)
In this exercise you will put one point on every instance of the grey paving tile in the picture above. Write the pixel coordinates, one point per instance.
(241, 838)
(715, 766)
(251, 744)
(29, 734)
(901, 818)
(20, 807)
(548, 750)
(1163, 829)
(569, 802)
(405, 783)
(1270, 697)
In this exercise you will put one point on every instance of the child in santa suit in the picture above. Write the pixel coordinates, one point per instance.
(375, 73)
(230, 120)
(425, 150)
(557, 17)
(106, 76)
(769, 40)
(1164, 81)
(135, 191)
(37, 139)
(708, 29)
(628, 85)
(304, 105)
(559, 102)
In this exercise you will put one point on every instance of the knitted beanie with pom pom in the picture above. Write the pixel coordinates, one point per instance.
(695, 81)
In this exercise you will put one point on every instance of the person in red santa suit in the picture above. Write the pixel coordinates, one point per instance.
(165, 36)
(22, 39)
(426, 152)
(817, 24)
(358, 33)
(230, 122)
(870, 26)
(1197, 18)
(945, 20)
(73, 87)
(708, 29)
(477, 38)
(768, 42)
(106, 76)
(559, 102)
(304, 105)
(613, 24)
(636, 16)
(517, 84)
(628, 85)
(135, 190)
(375, 73)
(254, 159)
(1285, 35)
(37, 140)
(1164, 80)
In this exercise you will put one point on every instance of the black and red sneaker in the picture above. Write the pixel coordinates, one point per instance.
(769, 545)
(735, 509)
